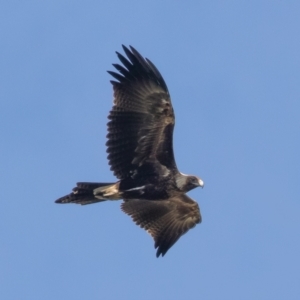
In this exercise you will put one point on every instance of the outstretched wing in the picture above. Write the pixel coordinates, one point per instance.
(142, 118)
(165, 220)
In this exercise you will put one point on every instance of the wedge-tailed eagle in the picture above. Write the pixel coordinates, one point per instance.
(140, 154)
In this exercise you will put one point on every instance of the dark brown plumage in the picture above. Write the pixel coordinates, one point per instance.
(140, 153)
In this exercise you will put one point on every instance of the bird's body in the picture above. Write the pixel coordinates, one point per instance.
(140, 153)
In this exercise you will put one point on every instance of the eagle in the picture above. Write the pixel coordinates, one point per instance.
(140, 154)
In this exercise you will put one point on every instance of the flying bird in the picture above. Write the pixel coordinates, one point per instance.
(140, 154)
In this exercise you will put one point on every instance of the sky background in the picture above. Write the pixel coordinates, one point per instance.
(233, 72)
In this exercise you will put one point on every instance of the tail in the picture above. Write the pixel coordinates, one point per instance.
(91, 192)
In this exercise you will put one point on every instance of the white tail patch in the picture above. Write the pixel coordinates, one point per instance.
(109, 192)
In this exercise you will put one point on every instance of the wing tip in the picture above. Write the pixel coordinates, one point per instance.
(138, 66)
(160, 252)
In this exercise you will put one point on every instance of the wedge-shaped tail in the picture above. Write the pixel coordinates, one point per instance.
(91, 192)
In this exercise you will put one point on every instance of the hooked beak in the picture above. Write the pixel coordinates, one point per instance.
(201, 182)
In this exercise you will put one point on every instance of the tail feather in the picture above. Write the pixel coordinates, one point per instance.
(85, 193)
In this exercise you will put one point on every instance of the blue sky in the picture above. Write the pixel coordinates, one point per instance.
(233, 71)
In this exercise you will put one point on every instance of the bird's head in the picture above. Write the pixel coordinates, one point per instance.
(194, 181)
(188, 182)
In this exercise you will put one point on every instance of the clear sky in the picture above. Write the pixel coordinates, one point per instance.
(233, 71)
